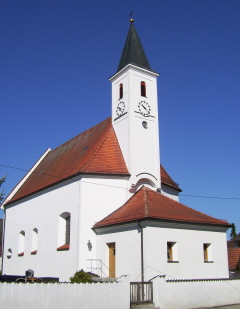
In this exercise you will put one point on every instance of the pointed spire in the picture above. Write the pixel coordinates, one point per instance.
(133, 51)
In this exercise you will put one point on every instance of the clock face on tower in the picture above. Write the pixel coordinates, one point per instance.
(120, 108)
(144, 108)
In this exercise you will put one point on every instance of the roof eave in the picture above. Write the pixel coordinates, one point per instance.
(227, 225)
(66, 179)
(136, 67)
(23, 180)
(171, 186)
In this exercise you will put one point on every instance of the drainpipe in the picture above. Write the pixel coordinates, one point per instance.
(142, 268)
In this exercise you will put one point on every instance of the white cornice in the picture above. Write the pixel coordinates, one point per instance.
(134, 67)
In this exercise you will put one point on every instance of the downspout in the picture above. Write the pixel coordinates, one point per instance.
(78, 226)
(142, 264)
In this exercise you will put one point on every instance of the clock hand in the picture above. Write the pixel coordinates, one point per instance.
(144, 107)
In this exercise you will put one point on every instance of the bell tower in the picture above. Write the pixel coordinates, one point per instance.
(135, 113)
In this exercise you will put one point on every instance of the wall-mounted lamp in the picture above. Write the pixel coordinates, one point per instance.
(89, 245)
(9, 253)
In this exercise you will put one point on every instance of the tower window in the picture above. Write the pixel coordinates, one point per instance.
(120, 91)
(143, 89)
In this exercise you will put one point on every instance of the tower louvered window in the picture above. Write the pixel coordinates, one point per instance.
(143, 89)
(120, 91)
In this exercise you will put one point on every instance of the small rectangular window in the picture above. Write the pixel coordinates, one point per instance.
(207, 253)
(172, 252)
(169, 251)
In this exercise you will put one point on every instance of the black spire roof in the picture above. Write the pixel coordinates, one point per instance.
(133, 51)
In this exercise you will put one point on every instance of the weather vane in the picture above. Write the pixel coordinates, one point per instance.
(131, 19)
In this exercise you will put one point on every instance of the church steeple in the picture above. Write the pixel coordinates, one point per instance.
(133, 52)
(135, 114)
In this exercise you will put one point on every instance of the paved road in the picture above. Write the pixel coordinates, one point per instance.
(224, 307)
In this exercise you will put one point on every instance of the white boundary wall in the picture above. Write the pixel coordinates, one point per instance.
(186, 294)
(65, 295)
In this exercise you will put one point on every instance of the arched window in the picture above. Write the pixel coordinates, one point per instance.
(67, 234)
(21, 243)
(143, 89)
(64, 231)
(120, 91)
(34, 241)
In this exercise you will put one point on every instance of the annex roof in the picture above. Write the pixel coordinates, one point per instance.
(149, 204)
(133, 52)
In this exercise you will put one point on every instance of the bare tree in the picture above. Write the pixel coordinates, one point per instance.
(2, 180)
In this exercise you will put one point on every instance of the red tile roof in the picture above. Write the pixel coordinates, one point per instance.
(233, 258)
(94, 151)
(236, 238)
(230, 244)
(149, 204)
(167, 180)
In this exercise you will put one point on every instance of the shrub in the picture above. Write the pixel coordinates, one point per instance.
(81, 277)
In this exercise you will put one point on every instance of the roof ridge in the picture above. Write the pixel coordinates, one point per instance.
(202, 213)
(145, 200)
(97, 149)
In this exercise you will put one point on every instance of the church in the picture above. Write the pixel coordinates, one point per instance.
(102, 201)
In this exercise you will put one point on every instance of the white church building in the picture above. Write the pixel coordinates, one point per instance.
(103, 203)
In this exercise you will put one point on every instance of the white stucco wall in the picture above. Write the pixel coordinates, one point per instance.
(189, 261)
(195, 294)
(128, 250)
(139, 145)
(169, 192)
(189, 257)
(62, 296)
(87, 199)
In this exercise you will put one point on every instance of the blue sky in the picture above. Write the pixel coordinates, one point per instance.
(56, 57)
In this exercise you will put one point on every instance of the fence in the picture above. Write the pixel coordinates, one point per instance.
(141, 292)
